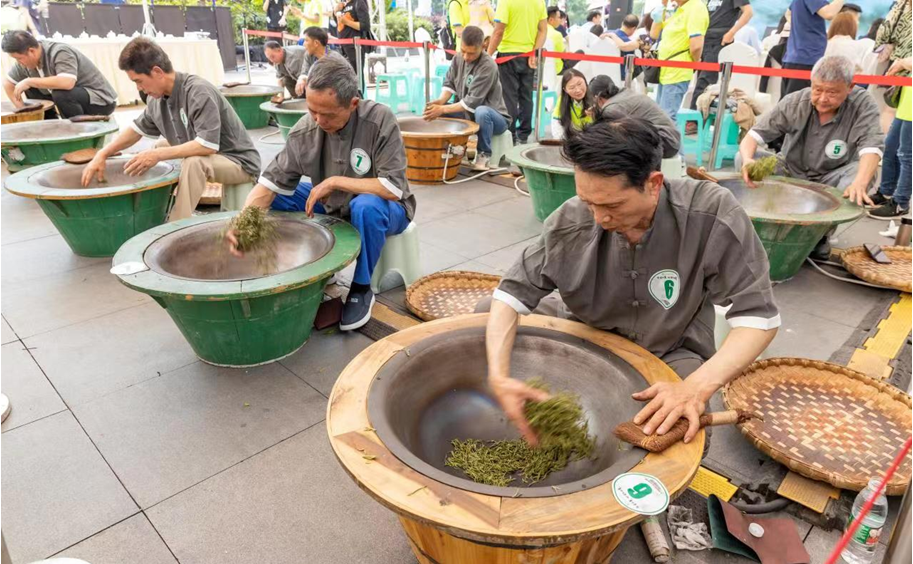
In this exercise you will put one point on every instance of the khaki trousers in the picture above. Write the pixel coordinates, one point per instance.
(195, 173)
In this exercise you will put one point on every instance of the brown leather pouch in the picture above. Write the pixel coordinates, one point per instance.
(731, 530)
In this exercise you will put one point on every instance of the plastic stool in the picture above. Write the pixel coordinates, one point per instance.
(545, 114)
(500, 144)
(441, 70)
(729, 139)
(393, 97)
(691, 146)
(417, 97)
(234, 196)
(400, 255)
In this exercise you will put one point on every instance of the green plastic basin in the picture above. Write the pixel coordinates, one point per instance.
(549, 177)
(246, 99)
(95, 221)
(40, 142)
(238, 312)
(790, 216)
(287, 113)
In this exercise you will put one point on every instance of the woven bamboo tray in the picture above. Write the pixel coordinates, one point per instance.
(895, 275)
(444, 294)
(824, 421)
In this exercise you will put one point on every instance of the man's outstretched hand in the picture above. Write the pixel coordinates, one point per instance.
(512, 395)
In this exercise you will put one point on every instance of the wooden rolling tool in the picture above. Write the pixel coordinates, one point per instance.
(700, 174)
(631, 433)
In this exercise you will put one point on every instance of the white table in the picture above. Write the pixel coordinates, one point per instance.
(195, 56)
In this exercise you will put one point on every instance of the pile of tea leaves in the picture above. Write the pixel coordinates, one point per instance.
(256, 232)
(563, 438)
(762, 168)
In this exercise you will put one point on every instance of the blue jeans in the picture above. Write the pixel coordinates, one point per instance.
(491, 123)
(895, 165)
(374, 217)
(670, 96)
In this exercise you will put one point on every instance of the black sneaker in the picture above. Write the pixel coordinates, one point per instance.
(822, 250)
(889, 210)
(357, 311)
(880, 199)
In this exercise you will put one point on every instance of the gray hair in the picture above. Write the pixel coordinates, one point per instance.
(834, 68)
(334, 73)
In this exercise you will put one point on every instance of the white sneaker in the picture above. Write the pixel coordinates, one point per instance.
(481, 162)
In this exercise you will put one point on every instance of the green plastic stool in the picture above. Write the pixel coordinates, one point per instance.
(689, 145)
(545, 114)
(234, 196)
(417, 95)
(500, 144)
(393, 97)
(729, 139)
(441, 70)
(400, 255)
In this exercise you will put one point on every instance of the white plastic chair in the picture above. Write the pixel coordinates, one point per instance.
(549, 70)
(607, 48)
(742, 54)
(578, 40)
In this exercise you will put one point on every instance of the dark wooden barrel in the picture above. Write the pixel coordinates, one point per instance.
(428, 144)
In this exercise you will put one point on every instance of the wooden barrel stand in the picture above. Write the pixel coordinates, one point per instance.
(445, 524)
(10, 116)
(426, 152)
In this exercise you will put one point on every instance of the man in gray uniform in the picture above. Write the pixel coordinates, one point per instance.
(474, 81)
(611, 99)
(197, 122)
(832, 135)
(293, 63)
(646, 258)
(352, 152)
(55, 71)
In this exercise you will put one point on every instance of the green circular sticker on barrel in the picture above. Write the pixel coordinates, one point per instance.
(640, 493)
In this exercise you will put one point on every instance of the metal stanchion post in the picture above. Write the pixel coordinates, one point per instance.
(246, 54)
(359, 69)
(426, 48)
(629, 71)
(720, 110)
(537, 106)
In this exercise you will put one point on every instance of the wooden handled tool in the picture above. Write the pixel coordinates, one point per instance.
(700, 174)
(233, 84)
(80, 119)
(631, 433)
(28, 107)
(554, 142)
(82, 156)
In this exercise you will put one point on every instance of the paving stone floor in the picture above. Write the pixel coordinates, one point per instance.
(122, 447)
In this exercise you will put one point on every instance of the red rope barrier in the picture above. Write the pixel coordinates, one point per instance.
(699, 66)
(845, 540)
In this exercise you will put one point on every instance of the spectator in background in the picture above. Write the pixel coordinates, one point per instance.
(894, 34)
(276, 13)
(311, 13)
(841, 40)
(520, 27)
(807, 38)
(597, 30)
(592, 18)
(682, 40)
(563, 27)
(749, 36)
(28, 16)
(727, 17)
(893, 197)
(625, 38)
(852, 9)
(575, 107)
(554, 36)
(458, 16)
(873, 29)
(482, 16)
(353, 20)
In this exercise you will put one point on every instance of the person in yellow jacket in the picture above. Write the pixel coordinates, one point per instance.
(458, 18)
(575, 106)
(554, 36)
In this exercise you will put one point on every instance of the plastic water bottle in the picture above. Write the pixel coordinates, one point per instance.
(861, 548)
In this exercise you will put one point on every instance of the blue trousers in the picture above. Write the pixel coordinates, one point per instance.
(374, 217)
(895, 167)
(490, 122)
(670, 96)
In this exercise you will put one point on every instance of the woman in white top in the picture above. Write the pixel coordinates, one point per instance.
(841, 40)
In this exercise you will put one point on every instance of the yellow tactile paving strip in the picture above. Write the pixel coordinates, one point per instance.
(706, 482)
(810, 493)
(893, 330)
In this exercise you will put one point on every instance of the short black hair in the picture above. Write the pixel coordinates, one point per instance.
(552, 11)
(597, 30)
(563, 13)
(272, 45)
(603, 86)
(614, 145)
(592, 15)
(472, 36)
(317, 34)
(141, 55)
(630, 21)
(851, 8)
(18, 42)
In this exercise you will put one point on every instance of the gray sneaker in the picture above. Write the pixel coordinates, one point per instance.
(481, 163)
(357, 311)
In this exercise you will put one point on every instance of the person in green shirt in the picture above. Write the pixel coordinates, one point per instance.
(893, 194)
(575, 107)
(553, 35)
(520, 27)
(458, 17)
(682, 40)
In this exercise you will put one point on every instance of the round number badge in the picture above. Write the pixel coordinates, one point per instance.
(641, 493)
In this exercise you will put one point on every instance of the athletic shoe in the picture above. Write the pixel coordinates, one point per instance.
(879, 199)
(481, 163)
(357, 311)
(889, 210)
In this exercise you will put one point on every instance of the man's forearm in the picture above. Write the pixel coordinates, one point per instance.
(540, 35)
(53, 82)
(828, 12)
(126, 138)
(743, 19)
(191, 148)
(742, 346)
(261, 197)
(495, 40)
(499, 338)
(697, 47)
(10, 88)
(868, 165)
(364, 186)
(747, 148)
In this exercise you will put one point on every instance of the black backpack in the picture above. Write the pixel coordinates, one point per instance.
(448, 40)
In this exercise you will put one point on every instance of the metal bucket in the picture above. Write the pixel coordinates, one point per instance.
(790, 216)
(549, 177)
(232, 311)
(34, 143)
(434, 149)
(247, 99)
(287, 113)
(96, 220)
